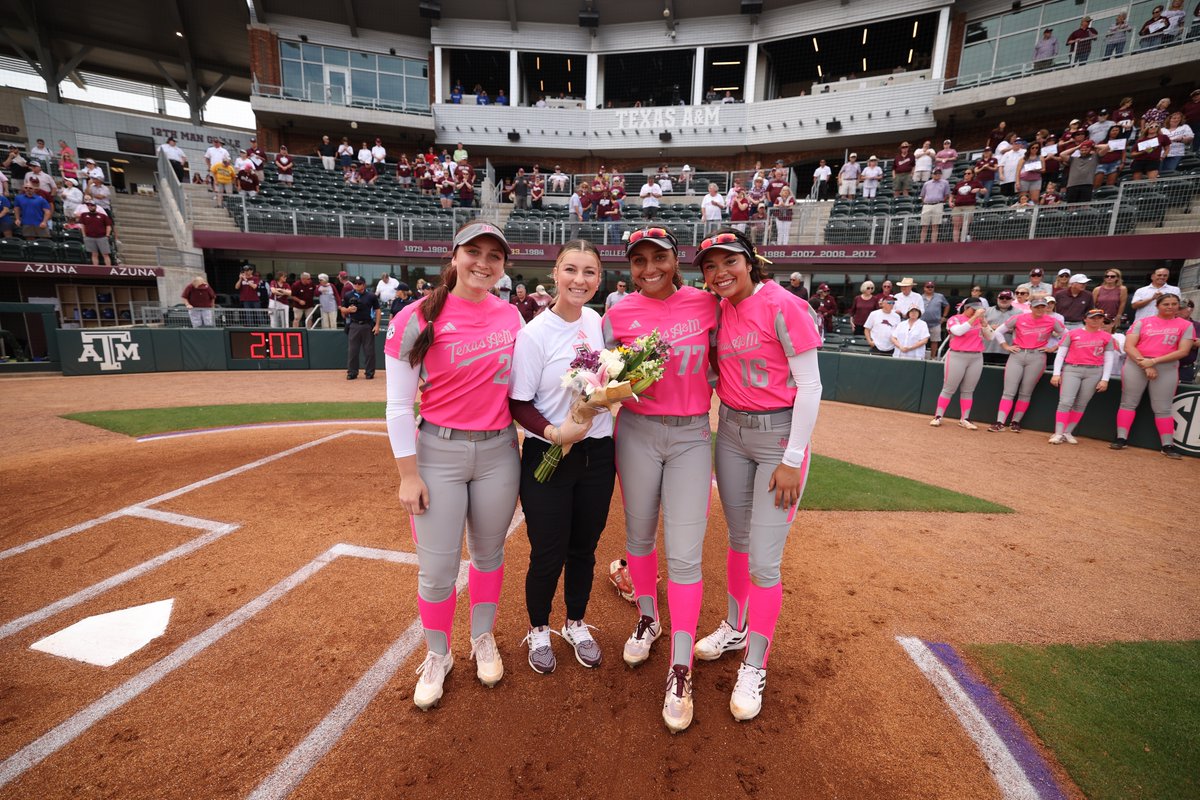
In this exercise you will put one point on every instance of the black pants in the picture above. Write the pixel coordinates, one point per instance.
(823, 192)
(360, 339)
(1008, 189)
(1079, 194)
(179, 171)
(565, 517)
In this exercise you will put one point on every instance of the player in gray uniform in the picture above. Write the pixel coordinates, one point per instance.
(770, 391)
(664, 456)
(1077, 375)
(1025, 365)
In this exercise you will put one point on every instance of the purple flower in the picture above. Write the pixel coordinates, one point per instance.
(588, 360)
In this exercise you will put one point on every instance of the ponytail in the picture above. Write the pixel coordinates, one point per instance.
(430, 308)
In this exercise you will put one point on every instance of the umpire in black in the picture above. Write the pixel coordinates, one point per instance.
(360, 308)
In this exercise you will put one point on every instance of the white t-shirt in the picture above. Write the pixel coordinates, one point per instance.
(378, 154)
(871, 176)
(650, 194)
(216, 155)
(504, 287)
(386, 290)
(908, 336)
(822, 173)
(1007, 172)
(882, 326)
(906, 301)
(1145, 293)
(712, 206)
(364, 156)
(172, 152)
(544, 351)
(924, 162)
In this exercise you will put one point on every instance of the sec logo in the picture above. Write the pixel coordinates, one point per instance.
(1186, 411)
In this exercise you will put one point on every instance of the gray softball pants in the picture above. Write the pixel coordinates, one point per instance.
(962, 372)
(1021, 374)
(1076, 389)
(745, 459)
(470, 483)
(1162, 388)
(668, 465)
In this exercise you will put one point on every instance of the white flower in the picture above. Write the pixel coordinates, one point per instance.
(612, 362)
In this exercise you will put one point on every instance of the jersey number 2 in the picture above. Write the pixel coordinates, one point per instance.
(504, 370)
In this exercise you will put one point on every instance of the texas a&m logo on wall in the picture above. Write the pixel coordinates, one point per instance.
(109, 349)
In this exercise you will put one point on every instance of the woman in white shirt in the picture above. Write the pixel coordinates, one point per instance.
(923, 166)
(712, 207)
(277, 306)
(910, 337)
(1181, 135)
(782, 211)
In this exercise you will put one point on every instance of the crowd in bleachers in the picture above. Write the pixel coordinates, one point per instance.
(53, 208)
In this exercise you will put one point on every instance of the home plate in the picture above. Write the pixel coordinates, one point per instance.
(105, 639)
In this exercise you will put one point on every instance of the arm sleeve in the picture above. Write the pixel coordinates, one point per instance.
(960, 328)
(524, 412)
(402, 380)
(807, 377)
(1110, 361)
(1060, 357)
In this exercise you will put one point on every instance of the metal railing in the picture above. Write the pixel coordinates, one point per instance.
(178, 317)
(330, 94)
(251, 217)
(170, 257)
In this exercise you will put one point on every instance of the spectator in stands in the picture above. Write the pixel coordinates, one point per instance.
(41, 181)
(1117, 36)
(33, 214)
(247, 180)
(215, 154)
(175, 157)
(1111, 157)
(247, 288)
(524, 303)
(15, 164)
(327, 302)
(617, 296)
(501, 98)
(902, 169)
(728, 98)
(796, 286)
(885, 290)
(199, 298)
(821, 176)
(1035, 285)
(258, 159)
(404, 172)
(327, 151)
(962, 204)
(578, 207)
(40, 151)
(447, 188)
(242, 161)
(910, 337)
(758, 191)
(1176, 17)
(937, 308)
(1144, 299)
(378, 155)
(1158, 113)
(520, 190)
(1080, 41)
(1050, 196)
(1191, 109)
(826, 306)
(223, 177)
(280, 295)
(908, 298)
(456, 92)
(460, 153)
(782, 212)
(880, 325)
(1082, 162)
(759, 223)
(848, 177)
(97, 227)
(985, 170)
(651, 194)
(303, 299)
(739, 209)
(403, 298)
(934, 194)
(1098, 130)
(559, 179)
(1061, 281)
(7, 218)
(345, 155)
(712, 206)
(466, 189)
(1075, 301)
(998, 135)
(1045, 50)
(99, 192)
(284, 165)
(1111, 296)
(1181, 136)
(481, 97)
(1030, 169)
(944, 159)
(872, 175)
(862, 306)
(923, 162)
(1148, 150)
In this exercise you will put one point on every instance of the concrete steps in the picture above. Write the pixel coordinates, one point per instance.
(141, 228)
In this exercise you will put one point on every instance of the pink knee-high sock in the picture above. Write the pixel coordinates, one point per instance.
(484, 589)
(683, 601)
(942, 404)
(1124, 422)
(1073, 418)
(765, 603)
(737, 576)
(1005, 407)
(966, 408)
(438, 619)
(643, 571)
(1166, 429)
(1021, 407)
(1061, 420)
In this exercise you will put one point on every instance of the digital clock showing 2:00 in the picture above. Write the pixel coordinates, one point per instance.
(266, 345)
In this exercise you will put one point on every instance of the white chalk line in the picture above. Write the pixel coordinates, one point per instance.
(1013, 783)
(292, 771)
(158, 437)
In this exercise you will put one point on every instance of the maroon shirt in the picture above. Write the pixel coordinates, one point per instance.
(201, 296)
(248, 291)
(985, 169)
(903, 164)
(303, 293)
(774, 188)
(862, 308)
(1073, 307)
(247, 182)
(528, 307)
(284, 164)
(962, 195)
(95, 224)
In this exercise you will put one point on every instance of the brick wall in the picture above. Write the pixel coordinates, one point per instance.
(958, 28)
(265, 68)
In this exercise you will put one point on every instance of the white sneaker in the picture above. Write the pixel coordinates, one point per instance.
(966, 423)
(936, 422)
(678, 706)
(488, 666)
(541, 654)
(719, 642)
(637, 646)
(587, 650)
(746, 700)
(1057, 438)
(432, 672)
(1070, 439)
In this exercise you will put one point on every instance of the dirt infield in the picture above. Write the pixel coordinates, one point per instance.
(1093, 554)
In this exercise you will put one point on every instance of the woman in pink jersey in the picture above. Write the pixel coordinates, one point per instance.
(1154, 346)
(1032, 332)
(770, 392)
(964, 360)
(463, 468)
(1089, 357)
(664, 456)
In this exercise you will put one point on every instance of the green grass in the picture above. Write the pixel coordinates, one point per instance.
(1124, 719)
(143, 421)
(835, 485)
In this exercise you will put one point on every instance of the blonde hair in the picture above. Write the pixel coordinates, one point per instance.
(867, 285)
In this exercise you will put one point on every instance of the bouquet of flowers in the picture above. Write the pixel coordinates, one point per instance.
(603, 378)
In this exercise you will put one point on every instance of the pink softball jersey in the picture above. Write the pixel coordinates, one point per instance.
(687, 321)
(466, 371)
(969, 342)
(1158, 336)
(1087, 348)
(754, 342)
(1030, 332)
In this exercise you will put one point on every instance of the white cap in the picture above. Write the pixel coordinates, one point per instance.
(1079, 277)
(687, 168)
(854, 155)
(1064, 271)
